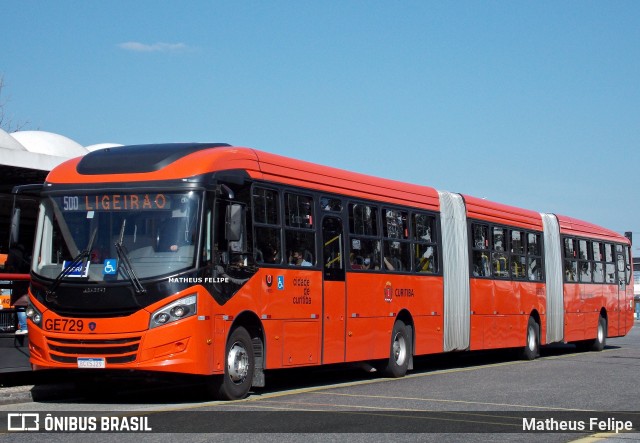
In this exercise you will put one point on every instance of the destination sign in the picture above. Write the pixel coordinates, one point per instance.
(114, 202)
(77, 271)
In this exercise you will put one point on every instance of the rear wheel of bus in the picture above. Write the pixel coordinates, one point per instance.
(600, 341)
(597, 344)
(239, 367)
(532, 345)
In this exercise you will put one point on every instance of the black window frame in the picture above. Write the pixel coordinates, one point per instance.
(480, 247)
(402, 237)
(598, 261)
(434, 242)
(342, 206)
(610, 263)
(485, 255)
(585, 261)
(409, 239)
(537, 255)
(260, 252)
(518, 257)
(289, 227)
(602, 266)
(570, 259)
(627, 266)
(376, 263)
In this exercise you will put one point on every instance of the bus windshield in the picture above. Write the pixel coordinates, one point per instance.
(104, 237)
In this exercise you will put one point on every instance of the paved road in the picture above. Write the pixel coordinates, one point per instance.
(485, 393)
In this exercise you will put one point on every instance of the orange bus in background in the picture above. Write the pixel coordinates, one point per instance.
(225, 262)
(15, 259)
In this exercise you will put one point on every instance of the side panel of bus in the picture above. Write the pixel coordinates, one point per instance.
(501, 302)
(373, 303)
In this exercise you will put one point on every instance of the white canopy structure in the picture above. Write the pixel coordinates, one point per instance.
(37, 149)
(26, 156)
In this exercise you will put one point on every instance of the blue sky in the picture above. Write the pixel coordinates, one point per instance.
(533, 104)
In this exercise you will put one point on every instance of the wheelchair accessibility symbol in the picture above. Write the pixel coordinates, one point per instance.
(110, 266)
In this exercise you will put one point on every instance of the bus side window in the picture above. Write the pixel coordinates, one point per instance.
(425, 247)
(268, 249)
(518, 260)
(570, 262)
(365, 253)
(299, 230)
(480, 255)
(534, 257)
(500, 262)
(627, 256)
(609, 267)
(363, 219)
(266, 220)
(499, 259)
(598, 267)
(396, 245)
(585, 255)
(621, 266)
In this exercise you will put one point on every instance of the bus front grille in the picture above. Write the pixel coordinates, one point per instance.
(115, 351)
(7, 321)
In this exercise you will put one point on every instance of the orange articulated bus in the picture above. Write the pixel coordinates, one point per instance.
(224, 262)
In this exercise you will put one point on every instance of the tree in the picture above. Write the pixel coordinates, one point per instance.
(6, 122)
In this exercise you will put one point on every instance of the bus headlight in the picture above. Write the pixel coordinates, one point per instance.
(179, 309)
(34, 314)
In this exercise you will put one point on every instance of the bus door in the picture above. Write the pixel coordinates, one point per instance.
(622, 290)
(334, 290)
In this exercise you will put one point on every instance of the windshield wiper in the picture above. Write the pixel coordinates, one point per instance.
(126, 264)
(80, 258)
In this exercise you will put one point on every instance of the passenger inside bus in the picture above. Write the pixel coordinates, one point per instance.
(357, 262)
(389, 265)
(535, 272)
(425, 262)
(269, 255)
(301, 258)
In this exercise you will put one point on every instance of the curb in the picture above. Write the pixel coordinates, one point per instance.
(16, 394)
(39, 393)
(28, 386)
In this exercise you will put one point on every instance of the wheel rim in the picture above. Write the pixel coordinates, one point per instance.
(237, 363)
(531, 340)
(399, 349)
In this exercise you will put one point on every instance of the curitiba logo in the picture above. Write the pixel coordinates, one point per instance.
(388, 292)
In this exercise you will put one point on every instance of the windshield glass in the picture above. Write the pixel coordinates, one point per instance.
(156, 231)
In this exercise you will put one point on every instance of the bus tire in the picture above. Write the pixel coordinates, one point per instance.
(598, 343)
(239, 366)
(532, 345)
(400, 351)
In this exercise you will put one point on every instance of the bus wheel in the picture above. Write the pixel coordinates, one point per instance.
(239, 366)
(400, 351)
(531, 347)
(600, 341)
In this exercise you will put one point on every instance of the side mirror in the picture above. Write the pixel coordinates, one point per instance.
(234, 222)
(15, 227)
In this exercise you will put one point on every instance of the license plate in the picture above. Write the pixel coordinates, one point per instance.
(91, 363)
